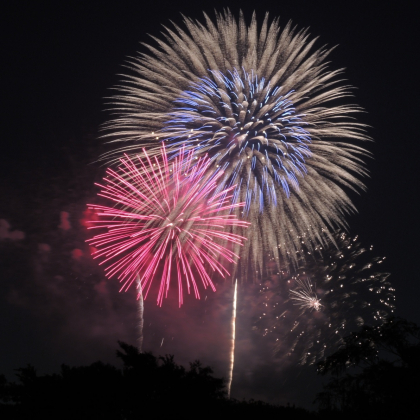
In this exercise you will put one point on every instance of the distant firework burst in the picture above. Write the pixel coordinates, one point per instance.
(167, 221)
(304, 295)
(270, 115)
(332, 293)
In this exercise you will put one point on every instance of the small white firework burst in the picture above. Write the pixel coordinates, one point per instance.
(331, 293)
(304, 295)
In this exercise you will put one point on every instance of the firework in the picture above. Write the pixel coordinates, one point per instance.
(270, 115)
(167, 220)
(232, 351)
(304, 295)
(141, 314)
(334, 292)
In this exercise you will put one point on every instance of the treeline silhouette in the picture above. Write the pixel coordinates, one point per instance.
(146, 387)
(374, 375)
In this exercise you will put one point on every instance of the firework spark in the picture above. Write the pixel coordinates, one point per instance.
(265, 108)
(325, 299)
(232, 350)
(168, 220)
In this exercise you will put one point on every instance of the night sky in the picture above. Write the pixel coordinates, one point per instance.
(58, 64)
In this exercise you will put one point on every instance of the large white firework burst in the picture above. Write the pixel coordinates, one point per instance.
(263, 105)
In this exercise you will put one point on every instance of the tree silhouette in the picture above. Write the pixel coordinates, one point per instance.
(76, 392)
(376, 373)
(146, 387)
(163, 387)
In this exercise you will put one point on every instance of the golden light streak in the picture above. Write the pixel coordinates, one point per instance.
(232, 352)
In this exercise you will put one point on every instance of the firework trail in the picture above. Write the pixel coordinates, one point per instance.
(141, 314)
(325, 299)
(167, 220)
(232, 351)
(269, 113)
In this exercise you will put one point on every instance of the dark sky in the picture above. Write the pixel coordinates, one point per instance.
(58, 63)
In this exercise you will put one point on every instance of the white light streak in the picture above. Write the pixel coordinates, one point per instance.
(232, 352)
(141, 315)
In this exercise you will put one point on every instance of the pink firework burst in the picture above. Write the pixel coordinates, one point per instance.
(167, 220)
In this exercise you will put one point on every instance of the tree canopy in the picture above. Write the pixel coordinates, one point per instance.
(376, 373)
(146, 386)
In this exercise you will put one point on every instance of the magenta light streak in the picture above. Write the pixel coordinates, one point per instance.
(167, 220)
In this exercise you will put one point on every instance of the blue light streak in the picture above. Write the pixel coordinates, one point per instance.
(270, 152)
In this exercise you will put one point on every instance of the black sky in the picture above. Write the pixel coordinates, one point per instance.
(58, 63)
